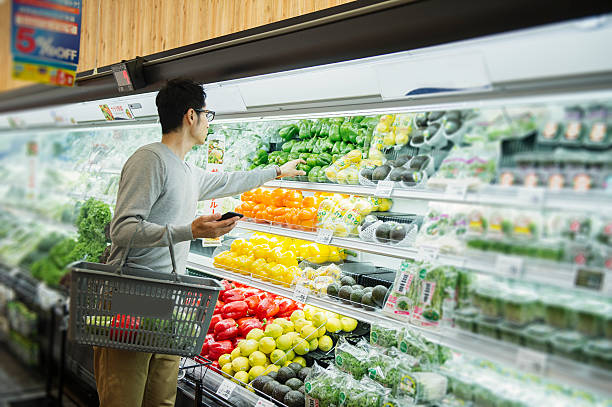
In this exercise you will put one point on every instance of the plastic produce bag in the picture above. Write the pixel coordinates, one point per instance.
(427, 353)
(401, 299)
(323, 386)
(350, 359)
(421, 387)
(385, 335)
(362, 393)
(383, 369)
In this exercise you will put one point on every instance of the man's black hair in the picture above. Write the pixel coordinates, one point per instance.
(174, 99)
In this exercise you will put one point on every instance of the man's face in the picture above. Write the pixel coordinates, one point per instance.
(198, 128)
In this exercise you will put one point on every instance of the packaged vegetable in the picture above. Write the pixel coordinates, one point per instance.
(404, 291)
(599, 352)
(385, 334)
(323, 386)
(362, 393)
(431, 284)
(421, 387)
(557, 310)
(350, 359)
(520, 307)
(568, 344)
(511, 333)
(382, 368)
(537, 336)
(465, 318)
(590, 318)
(487, 327)
(487, 299)
(426, 352)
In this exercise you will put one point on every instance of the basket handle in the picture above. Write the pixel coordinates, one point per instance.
(129, 246)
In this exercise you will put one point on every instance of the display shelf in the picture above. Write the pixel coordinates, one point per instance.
(532, 198)
(534, 270)
(553, 367)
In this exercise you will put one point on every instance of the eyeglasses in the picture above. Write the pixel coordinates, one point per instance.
(210, 115)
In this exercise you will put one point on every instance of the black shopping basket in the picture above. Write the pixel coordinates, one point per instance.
(140, 310)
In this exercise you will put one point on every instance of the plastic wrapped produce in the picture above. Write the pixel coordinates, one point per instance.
(568, 344)
(382, 368)
(488, 299)
(350, 359)
(558, 310)
(599, 352)
(421, 387)
(590, 317)
(385, 334)
(465, 318)
(537, 336)
(520, 307)
(362, 393)
(511, 333)
(323, 386)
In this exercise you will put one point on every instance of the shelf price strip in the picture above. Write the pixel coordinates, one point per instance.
(509, 265)
(324, 236)
(530, 360)
(384, 189)
(301, 293)
(225, 389)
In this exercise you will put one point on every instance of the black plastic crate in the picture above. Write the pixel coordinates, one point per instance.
(379, 278)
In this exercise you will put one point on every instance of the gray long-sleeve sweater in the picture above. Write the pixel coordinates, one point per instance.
(159, 187)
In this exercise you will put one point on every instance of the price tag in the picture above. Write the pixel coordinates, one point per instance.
(225, 389)
(324, 236)
(301, 293)
(509, 265)
(384, 189)
(456, 191)
(531, 360)
(532, 196)
(594, 279)
(427, 253)
(264, 403)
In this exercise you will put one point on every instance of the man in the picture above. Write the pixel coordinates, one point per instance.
(159, 188)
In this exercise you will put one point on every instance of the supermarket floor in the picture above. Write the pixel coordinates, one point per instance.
(21, 386)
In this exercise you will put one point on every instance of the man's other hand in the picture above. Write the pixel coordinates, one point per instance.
(208, 226)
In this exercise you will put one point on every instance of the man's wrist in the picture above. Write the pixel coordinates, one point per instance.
(278, 171)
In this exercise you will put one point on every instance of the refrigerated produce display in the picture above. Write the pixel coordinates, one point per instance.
(449, 249)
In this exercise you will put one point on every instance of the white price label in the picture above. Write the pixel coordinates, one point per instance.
(225, 389)
(509, 265)
(427, 254)
(456, 191)
(264, 403)
(301, 293)
(532, 196)
(324, 236)
(591, 278)
(531, 360)
(384, 189)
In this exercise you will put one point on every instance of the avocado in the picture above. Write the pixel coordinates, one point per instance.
(303, 373)
(431, 131)
(398, 233)
(285, 373)
(367, 301)
(451, 126)
(345, 293)
(382, 232)
(270, 386)
(368, 290)
(260, 381)
(369, 220)
(380, 173)
(402, 160)
(396, 174)
(419, 162)
(294, 398)
(279, 392)
(378, 294)
(332, 290)
(295, 366)
(433, 116)
(418, 139)
(356, 297)
(273, 375)
(347, 280)
(357, 287)
(302, 390)
(421, 120)
(453, 115)
(367, 173)
(410, 178)
(294, 383)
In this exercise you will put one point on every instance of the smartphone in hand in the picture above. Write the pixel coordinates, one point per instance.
(229, 215)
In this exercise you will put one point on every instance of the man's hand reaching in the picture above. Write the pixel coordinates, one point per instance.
(208, 226)
(288, 169)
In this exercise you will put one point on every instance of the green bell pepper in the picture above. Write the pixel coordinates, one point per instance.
(303, 167)
(334, 133)
(304, 156)
(327, 146)
(317, 146)
(357, 119)
(297, 147)
(305, 129)
(310, 144)
(347, 148)
(287, 146)
(312, 161)
(324, 159)
(336, 148)
(293, 156)
(288, 132)
(313, 174)
(338, 120)
(335, 157)
(324, 128)
(316, 128)
(349, 132)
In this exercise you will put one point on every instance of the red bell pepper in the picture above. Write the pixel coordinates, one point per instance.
(226, 286)
(235, 310)
(226, 329)
(235, 341)
(249, 292)
(245, 325)
(252, 302)
(217, 349)
(235, 294)
(207, 341)
(267, 308)
(218, 307)
(213, 321)
(286, 305)
(125, 322)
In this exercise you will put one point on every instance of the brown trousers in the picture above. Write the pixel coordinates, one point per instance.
(135, 379)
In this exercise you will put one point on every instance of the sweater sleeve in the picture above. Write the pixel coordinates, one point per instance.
(219, 185)
(141, 183)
